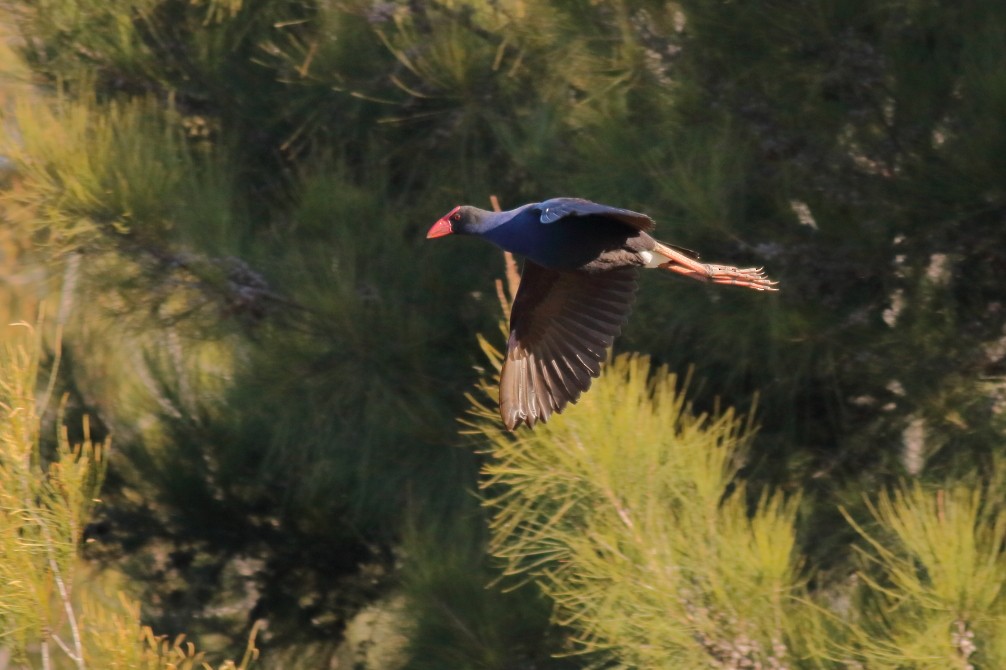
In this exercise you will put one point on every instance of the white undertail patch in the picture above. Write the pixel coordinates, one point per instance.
(651, 260)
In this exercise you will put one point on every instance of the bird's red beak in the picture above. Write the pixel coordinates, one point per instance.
(439, 229)
(443, 226)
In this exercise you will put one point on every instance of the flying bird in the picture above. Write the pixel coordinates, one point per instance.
(582, 260)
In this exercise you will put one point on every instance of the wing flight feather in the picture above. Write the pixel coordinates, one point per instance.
(561, 327)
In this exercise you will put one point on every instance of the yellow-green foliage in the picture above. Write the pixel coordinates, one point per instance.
(48, 616)
(935, 574)
(629, 513)
(116, 168)
(42, 506)
(105, 27)
(622, 510)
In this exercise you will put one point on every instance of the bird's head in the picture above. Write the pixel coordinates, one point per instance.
(462, 220)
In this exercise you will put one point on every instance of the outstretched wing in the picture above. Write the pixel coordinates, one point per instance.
(561, 327)
(558, 208)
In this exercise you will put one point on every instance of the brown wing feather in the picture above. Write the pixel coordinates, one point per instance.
(561, 327)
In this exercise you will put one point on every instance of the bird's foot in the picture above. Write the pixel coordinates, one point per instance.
(752, 278)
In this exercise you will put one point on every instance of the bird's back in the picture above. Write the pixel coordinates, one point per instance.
(585, 243)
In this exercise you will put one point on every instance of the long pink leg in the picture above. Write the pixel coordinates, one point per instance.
(678, 262)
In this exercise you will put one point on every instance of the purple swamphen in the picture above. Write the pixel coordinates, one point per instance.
(576, 292)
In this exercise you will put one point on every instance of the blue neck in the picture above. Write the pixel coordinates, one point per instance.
(515, 230)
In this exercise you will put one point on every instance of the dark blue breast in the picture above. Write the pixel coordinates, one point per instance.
(567, 244)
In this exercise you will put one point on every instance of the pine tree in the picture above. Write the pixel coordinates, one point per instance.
(232, 195)
(632, 518)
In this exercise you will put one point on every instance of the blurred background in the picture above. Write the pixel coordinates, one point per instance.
(214, 216)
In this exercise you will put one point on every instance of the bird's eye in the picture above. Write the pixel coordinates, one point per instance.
(456, 217)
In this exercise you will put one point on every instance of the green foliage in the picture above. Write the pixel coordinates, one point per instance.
(45, 503)
(71, 32)
(628, 513)
(934, 574)
(42, 509)
(117, 183)
(456, 617)
(116, 172)
(630, 516)
(233, 193)
(201, 54)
